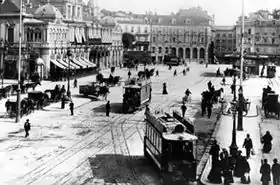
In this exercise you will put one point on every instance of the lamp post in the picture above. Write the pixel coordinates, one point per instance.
(240, 93)
(233, 147)
(69, 54)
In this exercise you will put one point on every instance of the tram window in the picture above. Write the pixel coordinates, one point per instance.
(156, 140)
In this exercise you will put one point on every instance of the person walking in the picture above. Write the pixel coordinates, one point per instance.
(62, 102)
(71, 106)
(164, 89)
(224, 81)
(248, 145)
(265, 172)
(157, 73)
(108, 108)
(27, 128)
(184, 109)
(215, 175)
(275, 169)
(266, 140)
(175, 73)
(129, 74)
(75, 83)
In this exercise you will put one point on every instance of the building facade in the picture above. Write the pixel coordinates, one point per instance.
(224, 41)
(49, 29)
(261, 34)
(186, 35)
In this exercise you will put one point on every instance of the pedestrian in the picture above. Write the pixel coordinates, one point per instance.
(233, 88)
(164, 89)
(209, 109)
(265, 171)
(215, 175)
(244, 170)
(275, 169)
(157, 73)
(183, 108)
(63, 102)
(248, 145)
(7, 105)
(184, 72)
(175, 72)
(27, 128)
(266, 141)
(71, 106)
(75, 83)
(129, 74)
(108, 108)
(224, 81)
(209, 84)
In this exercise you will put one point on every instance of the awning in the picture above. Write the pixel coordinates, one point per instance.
(79, 63)
(58, 64)
(62, 62)
(179, 137)
(73, 65)
(90, 64)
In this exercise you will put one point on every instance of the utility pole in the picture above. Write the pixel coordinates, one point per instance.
(19, 64)
(240, 92)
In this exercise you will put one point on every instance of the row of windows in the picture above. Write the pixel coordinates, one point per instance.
(154, 137)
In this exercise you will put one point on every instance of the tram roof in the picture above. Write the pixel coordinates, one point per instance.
(167, 124)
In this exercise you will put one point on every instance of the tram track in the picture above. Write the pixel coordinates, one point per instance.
(47, 166)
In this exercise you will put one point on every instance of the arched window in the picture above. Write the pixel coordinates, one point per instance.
(202, 53)
(194, 53)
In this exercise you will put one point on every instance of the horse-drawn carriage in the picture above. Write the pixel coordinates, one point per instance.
(110, 81)
(146, 74)
(26, 107)
(137, 93)
(94, 89)
(39, 98)
(271, 104)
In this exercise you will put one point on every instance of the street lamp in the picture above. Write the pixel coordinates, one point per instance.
(233, 147)
(19, 59)
(240, 93)
(69, 54)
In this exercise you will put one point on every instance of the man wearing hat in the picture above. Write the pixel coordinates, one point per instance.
(27, 128)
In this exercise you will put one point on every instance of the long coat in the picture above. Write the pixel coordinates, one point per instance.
(265, 171)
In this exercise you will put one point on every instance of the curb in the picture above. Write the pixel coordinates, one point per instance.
(205, 157)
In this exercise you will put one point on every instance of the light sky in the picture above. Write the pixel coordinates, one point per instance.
(226, 11)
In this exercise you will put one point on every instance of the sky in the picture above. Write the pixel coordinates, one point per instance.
(226, 11)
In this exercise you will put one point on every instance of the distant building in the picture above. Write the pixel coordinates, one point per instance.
(186, 35)
(224, 41)
(49, 29)
(261, 34)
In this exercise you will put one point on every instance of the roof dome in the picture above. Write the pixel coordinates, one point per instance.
(108, 21)
(48, 11)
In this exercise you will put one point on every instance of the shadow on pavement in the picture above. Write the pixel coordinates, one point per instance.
(120, 169)
(115, 108)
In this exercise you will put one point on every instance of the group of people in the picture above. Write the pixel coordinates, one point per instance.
(226, 166)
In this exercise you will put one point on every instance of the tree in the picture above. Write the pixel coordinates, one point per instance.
(127, 40)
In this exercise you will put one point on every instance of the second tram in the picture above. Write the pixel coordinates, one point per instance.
(170, 144)
(137, 93)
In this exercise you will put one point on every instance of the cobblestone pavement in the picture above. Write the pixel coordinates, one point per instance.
(89, 148)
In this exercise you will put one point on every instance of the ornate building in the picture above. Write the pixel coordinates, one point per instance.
(224, 41)
(261, 34)
(187, 35)
(49, 29)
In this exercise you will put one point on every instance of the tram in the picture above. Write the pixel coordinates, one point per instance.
(137, 93)
(271, 70)
(170, 143)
